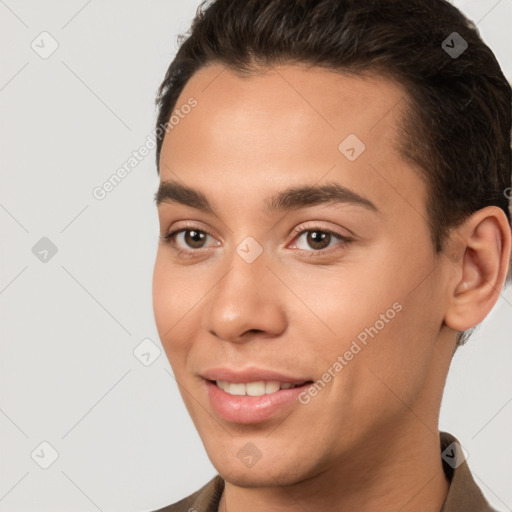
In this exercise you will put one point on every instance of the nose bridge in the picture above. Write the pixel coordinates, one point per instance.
(246, 298)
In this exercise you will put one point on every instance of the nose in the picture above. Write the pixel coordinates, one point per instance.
(247, 300)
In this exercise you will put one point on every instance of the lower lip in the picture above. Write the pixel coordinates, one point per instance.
(251, 409)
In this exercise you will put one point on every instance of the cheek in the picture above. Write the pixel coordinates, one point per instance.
(343, 302)
(162, 295)
(374, 318)
(173, 301)
(376, 372)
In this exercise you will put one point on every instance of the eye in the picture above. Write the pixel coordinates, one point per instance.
(186, 238)
(190, 240)
(318, 239)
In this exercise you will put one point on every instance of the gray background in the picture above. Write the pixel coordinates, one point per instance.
(69, 326)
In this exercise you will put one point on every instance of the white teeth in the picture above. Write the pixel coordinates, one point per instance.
(258, 388)
(255, 388)
(271, 386)
(223, 385)
(237, 389)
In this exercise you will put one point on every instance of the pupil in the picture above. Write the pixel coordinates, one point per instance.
(194, 238)
(318, 237)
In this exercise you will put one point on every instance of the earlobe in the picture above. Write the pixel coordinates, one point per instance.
(482, 269)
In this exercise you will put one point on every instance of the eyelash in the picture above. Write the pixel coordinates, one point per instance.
(170, 240)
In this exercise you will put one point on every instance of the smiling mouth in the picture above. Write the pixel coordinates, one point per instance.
(257, 388)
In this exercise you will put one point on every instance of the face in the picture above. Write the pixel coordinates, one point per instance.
(336, 286)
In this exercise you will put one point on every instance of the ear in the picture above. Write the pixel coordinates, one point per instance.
(481, 259)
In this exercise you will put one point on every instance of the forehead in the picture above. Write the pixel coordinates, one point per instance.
(289, 124)
(339, 100)
(289, 99)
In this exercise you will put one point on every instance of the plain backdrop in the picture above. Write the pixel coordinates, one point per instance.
(71, 319)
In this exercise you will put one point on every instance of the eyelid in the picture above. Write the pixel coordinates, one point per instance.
(315, 225)
(188, 225)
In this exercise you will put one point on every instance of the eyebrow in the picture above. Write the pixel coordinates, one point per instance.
(290, 199)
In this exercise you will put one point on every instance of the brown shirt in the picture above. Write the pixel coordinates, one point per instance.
(463, 493)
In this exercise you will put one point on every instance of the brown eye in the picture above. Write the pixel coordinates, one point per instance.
(318, 239)
(194, 238)
(188, 241)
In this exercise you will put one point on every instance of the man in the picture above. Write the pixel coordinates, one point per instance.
(334, 221)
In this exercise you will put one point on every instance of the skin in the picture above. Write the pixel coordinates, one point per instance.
(369, 440)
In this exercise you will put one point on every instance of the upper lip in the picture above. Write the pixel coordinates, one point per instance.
(251, 374)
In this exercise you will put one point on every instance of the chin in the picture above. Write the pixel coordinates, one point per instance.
(271, 472)
(252, 478)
